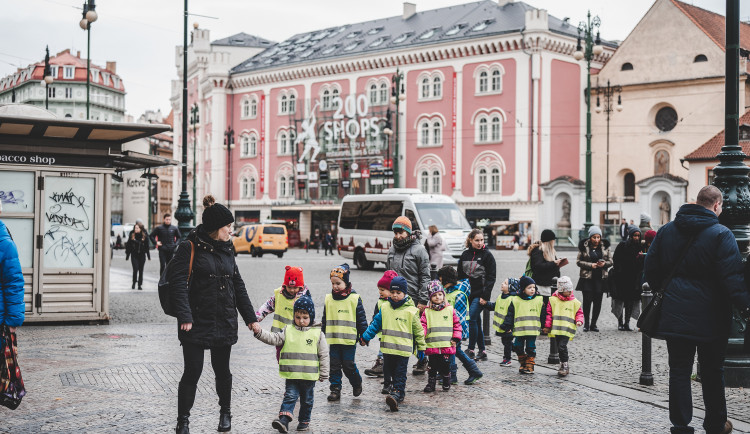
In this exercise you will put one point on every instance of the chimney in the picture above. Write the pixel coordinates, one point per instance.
(504, 2)
(409, 10)
(112, 66)
(78, 54)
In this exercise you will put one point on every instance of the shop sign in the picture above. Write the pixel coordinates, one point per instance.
(365, 173)
(355, 175)
(301, 176)
(345, 183)
(45, 159)
(312, 184)
(312, 176)
(376, 182)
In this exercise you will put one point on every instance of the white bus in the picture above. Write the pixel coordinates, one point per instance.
(365, 235)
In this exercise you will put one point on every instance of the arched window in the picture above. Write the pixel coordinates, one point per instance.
(700, 58)
(496, 81)
(292, 103)
(247, 187)
(282, 186)
(425, 88)
(495, 180)
(629, 184)
(482, 133)
(425, 140)
(334, 101)
(284, 104)
(326, 99)
(435, 182)
(253, 108)
(245, 108)
(383, 93)
(437, 134)
(495, 126)
(482, 181)
(437, 87)
(627, 66)
(483, 82)
(283, 144)
(424, 181)
(373, 94)
(244, 146)
(253, 146)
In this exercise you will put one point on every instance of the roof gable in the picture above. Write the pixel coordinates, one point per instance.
(713, 24)
(712, 147)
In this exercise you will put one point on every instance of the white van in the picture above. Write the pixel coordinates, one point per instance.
(365, 220)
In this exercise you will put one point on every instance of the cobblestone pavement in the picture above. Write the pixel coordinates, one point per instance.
(122, 377)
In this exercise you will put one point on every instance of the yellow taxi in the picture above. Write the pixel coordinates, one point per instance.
(258, 239)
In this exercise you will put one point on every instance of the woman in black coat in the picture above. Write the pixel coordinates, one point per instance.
(628, 269)
(206, 308)
(478, 265)
(137, 249)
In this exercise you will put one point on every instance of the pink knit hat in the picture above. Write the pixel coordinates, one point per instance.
(385, 281)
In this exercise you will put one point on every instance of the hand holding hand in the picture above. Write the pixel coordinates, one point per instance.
(546, 330)
(420, 354)
(421, 307)
(158, 244)
(595, 265)
(453, 344)
(362, 342)
(255, 327)
(482, 301)
(579, 323)
(186, 326)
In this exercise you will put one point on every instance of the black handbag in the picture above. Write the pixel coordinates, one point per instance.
(648, 322)
(12, 389)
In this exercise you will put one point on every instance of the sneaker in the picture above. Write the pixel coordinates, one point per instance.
(481, 356)
(392, 402)
(505, 362)
(303, 426)
(470, 354)
(376, 370)
(357, 390)
(473, 378)
(280, 425)
(387, 389)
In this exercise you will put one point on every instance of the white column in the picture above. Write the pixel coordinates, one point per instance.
(535, 76)
(459, 128)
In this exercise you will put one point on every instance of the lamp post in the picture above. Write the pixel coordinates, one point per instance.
(194, 120)
(153, 149)
(592, 47)
(184, 214)
(398, 94)
(48, 79)
(89, 16)
(229, 145)
(388, 131)
(608, 93)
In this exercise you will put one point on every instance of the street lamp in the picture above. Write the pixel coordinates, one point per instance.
(194, 120)
(229, 145)
(388, 131)
(89, 16)
(608, 93)
(592, 47)
(398, 94)
(48, 79)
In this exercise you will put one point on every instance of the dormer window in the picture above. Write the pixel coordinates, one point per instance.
(430, 33)
(69, 72)
(319, 36)
(330, 49)
(744, 132)
(95, 75)
(303, 39)
(116, 82)
(351, 46)
(353, 34)
(481, 26)
(374, 31)
(377, 42)
(402, 38)
(54, 71)
(627, 66)
(455, 29)
(105, 78)
(700, 58)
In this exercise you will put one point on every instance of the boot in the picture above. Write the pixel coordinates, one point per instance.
(225, 420)
(620, 325)
(387, 389)
(529, 368)
(183, 425)
(626, 327)
(522, 362)
(561, 372)
(431, 382)
(392, 401)
(421, 367)
(376, 370)
(282, 423)
(446, 383)
(567, 368)
(335, 394)
(133, 287)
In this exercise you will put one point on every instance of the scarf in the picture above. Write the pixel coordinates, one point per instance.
(397, 304)
(403, 244)
(440, 306)
(344, 292)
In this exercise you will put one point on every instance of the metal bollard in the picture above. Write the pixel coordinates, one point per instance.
(486, 326)
(647, 378)
(433, 272)
(554, 357)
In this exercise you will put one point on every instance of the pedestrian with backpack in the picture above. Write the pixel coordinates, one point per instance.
(206, 291)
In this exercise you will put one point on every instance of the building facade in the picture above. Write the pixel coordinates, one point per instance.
(67, 93)
(490, 105)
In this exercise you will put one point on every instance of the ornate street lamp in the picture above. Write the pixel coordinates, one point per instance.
(48, 79)
(398, 94)
(229, 145)
(194, 120)
(592, 47)
(608, 93)
(184, 214)
(89, 16)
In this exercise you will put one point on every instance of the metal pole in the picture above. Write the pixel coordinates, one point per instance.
(397, 79)
(88, 68)
(589, 55)
(46, 96)
(608, 108)
(486, 327)
(554, 356)
(647, 378)
(195, 175)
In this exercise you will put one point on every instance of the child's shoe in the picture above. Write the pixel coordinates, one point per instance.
(522, 362)
(387, 389)
(420, 367)
(505, 362)
(303, 426)
(392, 401)
(454, 378)
(446, 383)
(473, 378)
(357, 390)
(471, 354)
(481, 356)
(281, 424)
(376, 370)
(564, 370)
(529, 367)
(335, 395)
(431, 382)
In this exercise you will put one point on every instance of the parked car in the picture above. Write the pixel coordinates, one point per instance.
(258, 239)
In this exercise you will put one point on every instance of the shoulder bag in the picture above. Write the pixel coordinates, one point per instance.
(648, 322)
(165, 287)
(12, 389)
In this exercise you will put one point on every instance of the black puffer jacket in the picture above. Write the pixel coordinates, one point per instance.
(479, 267)
(216, 293)
(542, 269)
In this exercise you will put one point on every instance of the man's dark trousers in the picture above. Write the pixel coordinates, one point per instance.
(165, 255)
(711, 360)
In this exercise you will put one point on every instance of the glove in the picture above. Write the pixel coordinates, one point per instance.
(545, 330)
(420, 354)
(363, 342)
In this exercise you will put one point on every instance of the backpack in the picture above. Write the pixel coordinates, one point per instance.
(165, 289)
(528, 271)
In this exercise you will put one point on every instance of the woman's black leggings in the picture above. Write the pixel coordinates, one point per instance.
(138, 261)
(193, 356)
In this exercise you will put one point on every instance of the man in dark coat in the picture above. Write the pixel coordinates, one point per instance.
(165, 237)
(696, 313)
(624, 230)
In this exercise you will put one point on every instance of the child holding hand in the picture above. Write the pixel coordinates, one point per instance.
(443, 331)
(384, 292)
(524, 317)
(564, 314)
(508, 289)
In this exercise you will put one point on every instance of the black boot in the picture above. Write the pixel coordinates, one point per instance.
(446, 383)
(335, 394)
(224, 391)
(225, 420)
(620, 325)
(431, 382)
(183, 425)
(185, 400)
(133, 287)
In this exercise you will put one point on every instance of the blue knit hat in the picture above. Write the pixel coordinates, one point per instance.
(305, 303)
(525, 282)
(399, 284)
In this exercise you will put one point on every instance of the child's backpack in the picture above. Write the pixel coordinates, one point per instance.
(165, 288)
(528, 271)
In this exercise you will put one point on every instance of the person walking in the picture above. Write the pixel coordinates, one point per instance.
(12, 306)
(702, 257)
(206, 297)
(165, 237)
(645, 223)
(545, 265)
(594, 261)
(137, 249)
(435, 247)
(328, 243)
(626, 274)
(408, 257)
(623, 230)
(478, 265)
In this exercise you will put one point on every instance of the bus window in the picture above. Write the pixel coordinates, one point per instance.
(350, 214)
(410, 215)
(378, 215)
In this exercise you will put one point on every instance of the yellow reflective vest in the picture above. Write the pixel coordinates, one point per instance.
(299, 359)
(380, 306)
(439, 327)
(341, 320)
(398, 329)
(526, 321)
(283, 312)
(564, 317)
(501, 310)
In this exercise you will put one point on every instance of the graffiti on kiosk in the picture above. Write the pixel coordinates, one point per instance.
(67, 239)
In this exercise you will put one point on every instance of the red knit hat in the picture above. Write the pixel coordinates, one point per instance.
(385, 281)
(649, 236)
(293, 276)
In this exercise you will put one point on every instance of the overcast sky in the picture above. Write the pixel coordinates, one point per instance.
(141, 35)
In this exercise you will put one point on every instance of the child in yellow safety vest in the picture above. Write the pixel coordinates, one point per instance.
(443, 331)
(384, 292)
(282, 302)
(304, 360)
(525, 316)
(564, 314)
(344, 321)
(509, 288)
(402, 331)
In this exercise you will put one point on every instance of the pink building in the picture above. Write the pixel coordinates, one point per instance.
(490, 106)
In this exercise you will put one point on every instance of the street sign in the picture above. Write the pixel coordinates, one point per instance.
(365, 173)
